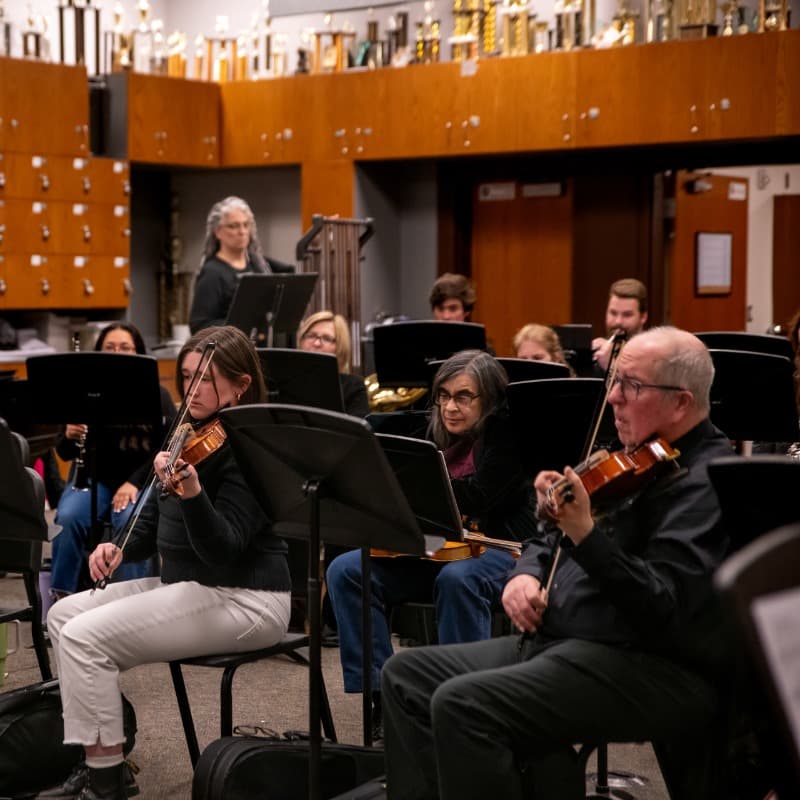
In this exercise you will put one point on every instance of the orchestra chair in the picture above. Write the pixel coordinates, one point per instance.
(761, 588)
(750, 342)
(290, 646)
(24, 556)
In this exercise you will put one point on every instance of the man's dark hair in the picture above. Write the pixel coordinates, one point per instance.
(450, 286)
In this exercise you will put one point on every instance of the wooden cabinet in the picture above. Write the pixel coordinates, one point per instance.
(266, 122)
(32, 281)
(95, 282)
(170, 120)
(787, 69)
(44, 108)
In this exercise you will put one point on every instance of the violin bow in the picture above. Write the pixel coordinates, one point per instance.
(620, 337)
(152, 478)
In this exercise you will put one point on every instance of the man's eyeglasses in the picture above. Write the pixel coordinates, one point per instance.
(630, 388)
(236, 226)
(326, 338)
(461, 399)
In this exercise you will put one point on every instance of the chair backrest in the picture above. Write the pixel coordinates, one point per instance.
(24, 448)
(756, 494)
(761, 586)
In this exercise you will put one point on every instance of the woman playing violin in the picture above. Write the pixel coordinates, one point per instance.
(627, 643)
(471, 427)
(224, 584)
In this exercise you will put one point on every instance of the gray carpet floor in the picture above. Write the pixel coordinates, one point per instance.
(272, 693)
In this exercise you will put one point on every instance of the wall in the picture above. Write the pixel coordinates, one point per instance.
(400, 259)
(765, 183)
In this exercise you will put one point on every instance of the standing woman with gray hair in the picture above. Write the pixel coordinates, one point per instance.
(470, 425)
(231, 249)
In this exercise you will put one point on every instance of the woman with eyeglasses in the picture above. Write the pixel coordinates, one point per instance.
(231, 249)
(123, 457)
(470, 425)
(326, 332)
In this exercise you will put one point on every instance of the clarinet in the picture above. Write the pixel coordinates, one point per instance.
(81, 474)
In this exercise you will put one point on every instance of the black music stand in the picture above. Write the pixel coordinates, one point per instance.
(322, 476)
(17, 520)
(576, 341)
(403, 350)
(753, 396)
(279, 301)
(749, 342)
(16, 408)
(301, 378)
(525, 369)
(95, 389)
(551, 420)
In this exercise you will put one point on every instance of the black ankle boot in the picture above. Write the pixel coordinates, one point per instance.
(105, 784)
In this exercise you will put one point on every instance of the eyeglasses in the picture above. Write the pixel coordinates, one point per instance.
(630, 388)
(462, 399)
(326, 338)
(236, 226)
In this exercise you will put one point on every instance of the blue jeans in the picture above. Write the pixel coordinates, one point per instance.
(74, 514)
(465, 594)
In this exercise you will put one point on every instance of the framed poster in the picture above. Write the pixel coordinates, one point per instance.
(712, 263)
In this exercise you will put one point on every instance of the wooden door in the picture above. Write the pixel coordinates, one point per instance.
(716, 205)
(521, 253)
(785, 257)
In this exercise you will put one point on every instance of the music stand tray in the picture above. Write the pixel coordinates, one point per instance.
(17, 521)
(749, 342)
(321, 476)
(301, 378)
(403, 350)
(524, 369)
(277, 301)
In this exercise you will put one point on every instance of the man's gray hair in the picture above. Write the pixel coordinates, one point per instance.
(685, 362)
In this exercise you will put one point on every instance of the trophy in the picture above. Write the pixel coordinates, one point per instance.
(331, 55)
(221, 52)
(141, 39)
(517, 18)
(82, 20)
(176, 55)
(34, 42)
(427, 39)
(158, 60)
(541, 37)
(261, 43)
(5, 33)
(697, 19)
(116, 44)
(465, 41)
(372, 51)
(199, 67)
(279, 65)
(660, 21)
(773, 15)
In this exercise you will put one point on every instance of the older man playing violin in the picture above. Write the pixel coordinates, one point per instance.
(621, 647)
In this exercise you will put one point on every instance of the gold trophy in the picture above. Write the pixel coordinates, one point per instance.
(466, 38)
(116, 44)
(624, 21)
(34, 43)
(331, 47)
(515, 18)
(176, 55)
(428, 38)
(261, 44)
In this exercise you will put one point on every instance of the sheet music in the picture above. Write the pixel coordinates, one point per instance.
(777, 620)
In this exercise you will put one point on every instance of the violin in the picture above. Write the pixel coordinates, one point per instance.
(610, 477)
(192, 447)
